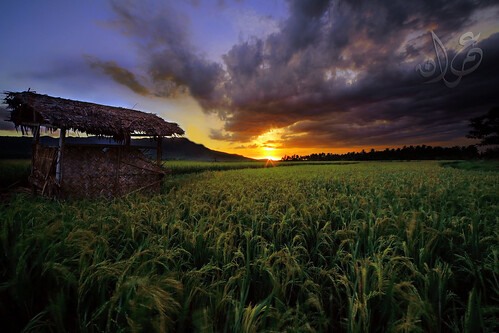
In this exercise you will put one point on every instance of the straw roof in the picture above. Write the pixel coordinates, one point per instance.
(30, 109)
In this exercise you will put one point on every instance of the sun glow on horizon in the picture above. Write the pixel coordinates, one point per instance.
(270, 162)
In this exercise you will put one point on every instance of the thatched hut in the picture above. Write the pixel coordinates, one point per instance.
(89, 170)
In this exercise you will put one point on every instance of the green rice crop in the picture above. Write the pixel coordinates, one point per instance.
(368, 247)
(184, 167)
(486, 165)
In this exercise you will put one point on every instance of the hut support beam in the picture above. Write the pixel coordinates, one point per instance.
(36, 140)
(58, 170)
(159, 152)
(36, 134)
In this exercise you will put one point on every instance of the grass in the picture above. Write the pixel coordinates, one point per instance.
(410, 247)
(484, 165)
(185, 167)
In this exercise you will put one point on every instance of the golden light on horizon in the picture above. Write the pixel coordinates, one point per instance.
(270, 162)
(265, 145)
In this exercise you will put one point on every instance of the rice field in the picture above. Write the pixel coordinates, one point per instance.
(184, 167)
(367, 247)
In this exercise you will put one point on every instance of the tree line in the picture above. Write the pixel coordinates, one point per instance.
(422, 152)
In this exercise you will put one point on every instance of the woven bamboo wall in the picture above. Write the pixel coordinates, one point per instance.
(112, 171)
(42, 176)
(88, 172)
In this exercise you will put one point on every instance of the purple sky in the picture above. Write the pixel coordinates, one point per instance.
(249, 76)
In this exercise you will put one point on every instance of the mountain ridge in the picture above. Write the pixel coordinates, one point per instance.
(177, 148)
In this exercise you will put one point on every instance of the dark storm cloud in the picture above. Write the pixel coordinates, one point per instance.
(382, 102)
(392, 106)
(336, 73)
(119, 74)
(172, 63)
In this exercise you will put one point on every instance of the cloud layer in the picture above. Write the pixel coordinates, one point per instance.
(337, 73)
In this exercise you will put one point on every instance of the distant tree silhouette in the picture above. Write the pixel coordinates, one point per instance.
(486, 128)
(406, 153)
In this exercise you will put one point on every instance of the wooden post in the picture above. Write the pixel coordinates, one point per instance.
(159, 152)
(36, 140)
(36, 135)
(118, 168)
(58, 170)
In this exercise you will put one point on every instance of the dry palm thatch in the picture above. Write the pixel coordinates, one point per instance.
(30, 110)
